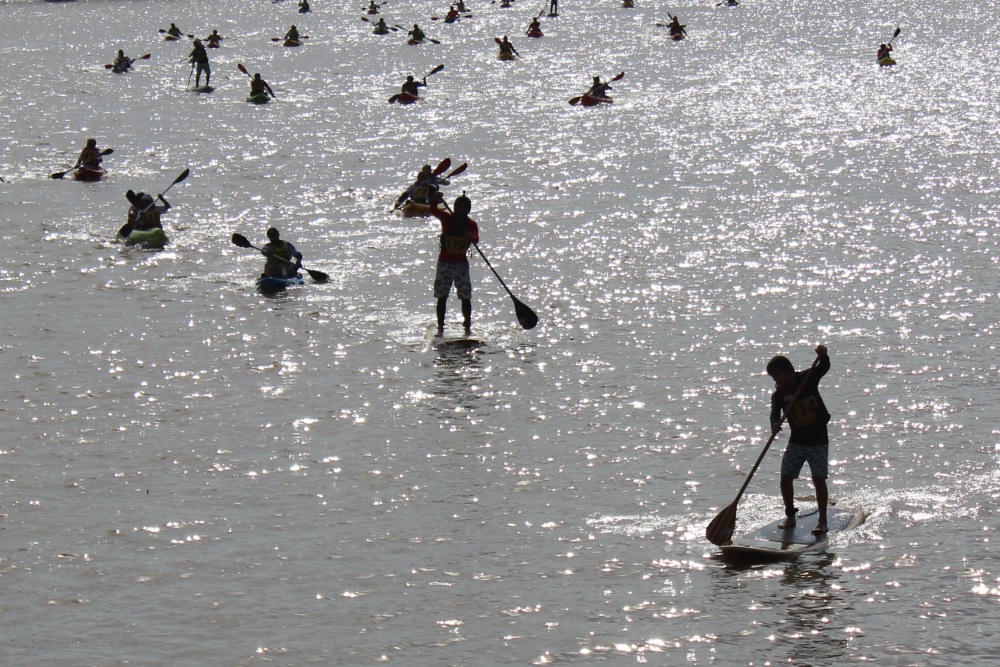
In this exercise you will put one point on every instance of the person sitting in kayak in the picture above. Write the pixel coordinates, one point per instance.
(90, 156)
(412, 86)
(381, 28)
(424, 188)
(174, 31)
(144, 214)
(122, 62)
(675, 27)
(883, 52)
(199, 58)
(304, 7)
(535, 28)
(417, 35)
(292, 35)
(460, 6)
(259, 87)
(279, 257)
(452, 15)
(598, 89)
(372, 8)
(214, 40)
(506, 48)
(458, 232)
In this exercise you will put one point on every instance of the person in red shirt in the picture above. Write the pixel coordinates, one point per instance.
(458, 231)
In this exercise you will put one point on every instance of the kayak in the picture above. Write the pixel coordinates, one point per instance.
(259, 98)
(293, 42)
(372, 12)
(413, 42)
(887, 61)
(407, 98)
(171, 38)
(270, 285)
(89, 174)
(381, 31)
(506, 56)
(202, 89)
(412, 209)
(677, 36)
(589, 100)
(628, 4)
(534, 33)
(148, 238)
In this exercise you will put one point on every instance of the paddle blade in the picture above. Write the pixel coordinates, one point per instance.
(59, 174)
(393, 98)
(132, 198)
(575, 100)
(457, 170)
(241, 241)
(145, 57)
(241, 68)
(436, 69)
(184, 174)
(618, 78)
(318, 276)
(525, 316)
(107, 151)
(442, 166)
(720, 531)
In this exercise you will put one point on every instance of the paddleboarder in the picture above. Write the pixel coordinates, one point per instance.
(199, 59)
(90, 156)
(458, 231)
(809, 440)
(553, 8)
(279, 255)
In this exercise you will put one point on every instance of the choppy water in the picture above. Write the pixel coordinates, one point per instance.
(194, 474)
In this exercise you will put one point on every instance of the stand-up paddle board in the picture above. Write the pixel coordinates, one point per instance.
(448, 341)
(773, 543)
(202, 89)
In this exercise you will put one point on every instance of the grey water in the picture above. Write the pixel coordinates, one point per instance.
(196, 474)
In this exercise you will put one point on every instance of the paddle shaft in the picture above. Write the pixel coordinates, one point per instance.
(129, 226)
(243, 242)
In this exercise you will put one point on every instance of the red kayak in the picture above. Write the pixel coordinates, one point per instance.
(677, 36)
(534, 33)
(89, 174)
(406, 98)
(591, 101)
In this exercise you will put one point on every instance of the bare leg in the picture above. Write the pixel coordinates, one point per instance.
(442, 309)
(788, 496)
(822, 500)
(467, 314)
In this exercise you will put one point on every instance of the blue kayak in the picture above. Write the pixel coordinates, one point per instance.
(278, 284)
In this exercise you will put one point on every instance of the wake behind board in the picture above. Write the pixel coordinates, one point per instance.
(773, 543)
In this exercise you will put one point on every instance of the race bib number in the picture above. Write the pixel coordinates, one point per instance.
(455, 245)
(804, 412)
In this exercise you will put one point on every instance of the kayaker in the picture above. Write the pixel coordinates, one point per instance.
(174, 31)
(458, 231)
(506, 48)
(452, 15)
(423, 189)
(675, 26)
(304, 7)
(381, 28)
(259, 87)
(292, 35)
(279, 257)
(460, 6)
(535, 28)
(416, 34)
(214, 40)
(883, 51)
(122, 62)
(598, 89)
(199, 59)
(90, 156)
(372, 8)
(145, 214)
(412, 86)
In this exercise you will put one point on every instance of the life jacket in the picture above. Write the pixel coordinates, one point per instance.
(149, 220)
(281, 251)
(452, 240)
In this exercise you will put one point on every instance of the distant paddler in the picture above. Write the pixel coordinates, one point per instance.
(507, 50)
(144, 213)
(372, 8)
(421, 192)
(416, 35)
(534, 28)
(292, 35)
(173, 33)
(599, 89)
(122, 63)
(280, 255)
(199, 59)
(460, 6)
(214, 40)
(259, 87)
(304, 7)
(452, 15)
(677, 30)
(90, 156)
(381, 28)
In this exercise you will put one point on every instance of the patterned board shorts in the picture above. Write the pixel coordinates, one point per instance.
(448, 274)
(796, 455)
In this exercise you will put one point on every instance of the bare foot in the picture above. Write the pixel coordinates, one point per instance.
(820, 529)
(789, 522)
